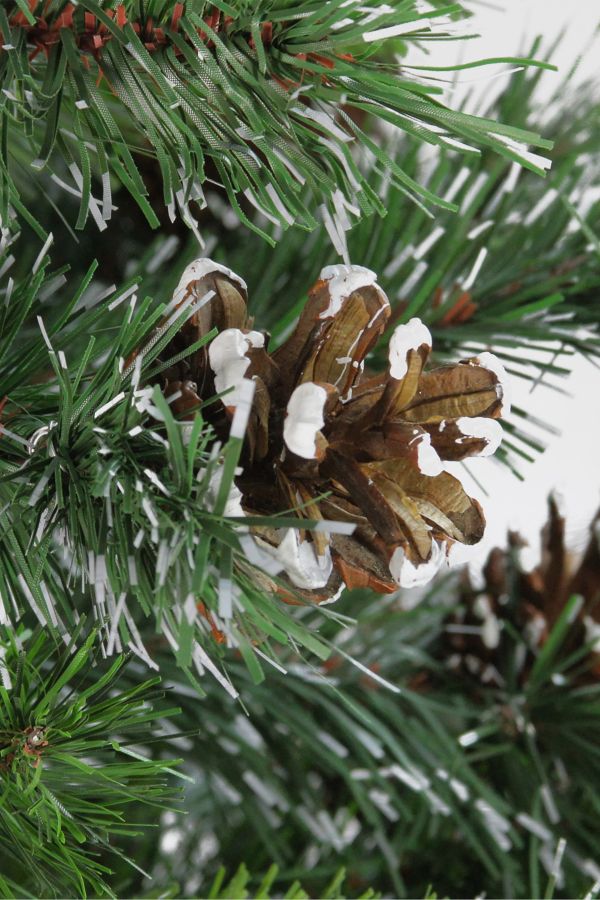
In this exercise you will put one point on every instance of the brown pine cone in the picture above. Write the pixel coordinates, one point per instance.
(332, 442)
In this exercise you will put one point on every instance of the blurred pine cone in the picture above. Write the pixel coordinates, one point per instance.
(515, 603)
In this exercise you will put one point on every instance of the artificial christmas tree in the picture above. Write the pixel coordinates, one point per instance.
(194, 464)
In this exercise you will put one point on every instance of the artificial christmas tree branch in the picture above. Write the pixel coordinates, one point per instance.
(179, 477)
(70, 776)
(242, 885)
(517, 270)
(154, 495)
(462, 776)
(259, 98)
(518, 265)
(94, 378)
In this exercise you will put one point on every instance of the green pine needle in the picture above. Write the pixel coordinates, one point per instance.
(70, 789)
(253, 96)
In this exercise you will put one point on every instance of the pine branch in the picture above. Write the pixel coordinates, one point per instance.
(108, 508)
(516, 270)
(416, 732)
(363, 739)
(71, 785)
(454, 778)
(518, 265)
(239, 886)
(265, 100)
(360, 757)
(90, 482)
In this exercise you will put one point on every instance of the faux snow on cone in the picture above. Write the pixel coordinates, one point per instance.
(374, 444)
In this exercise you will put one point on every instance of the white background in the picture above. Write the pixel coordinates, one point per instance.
(571, 464)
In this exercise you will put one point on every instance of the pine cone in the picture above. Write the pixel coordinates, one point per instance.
(513, 601)
(343, 445)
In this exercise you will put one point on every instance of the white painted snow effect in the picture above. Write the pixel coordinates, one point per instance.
(409, 336)
(304, 419)
(301, 563)
(407, 575)
(489, 430)
(428, 459)
(490, 630)
(233, 504)
(228, 360)
(198, 269)
(343, 281)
